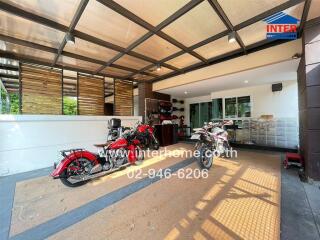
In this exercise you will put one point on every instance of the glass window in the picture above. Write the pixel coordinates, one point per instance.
(244, 106)
(205, 112)
(230, 107)
(217, 112)
(194, 115)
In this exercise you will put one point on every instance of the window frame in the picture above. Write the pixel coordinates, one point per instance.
(223, 108)
(222, 117)
(237, 96)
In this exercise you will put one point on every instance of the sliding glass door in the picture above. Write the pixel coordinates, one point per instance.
(233, 108)
(217, 109)
(194, 115)
(205, 112)
(200, 113)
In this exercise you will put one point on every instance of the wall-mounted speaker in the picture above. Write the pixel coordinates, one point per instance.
(276, 87)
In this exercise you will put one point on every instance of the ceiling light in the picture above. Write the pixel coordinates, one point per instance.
(70, 38)
(185, 92)
(158, 67)
(232, 37)
(246, 81)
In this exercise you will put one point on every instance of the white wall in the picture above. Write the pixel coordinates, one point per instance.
(29, 142)
(283, 104)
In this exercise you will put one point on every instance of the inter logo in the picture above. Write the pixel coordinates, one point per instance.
(281, 26)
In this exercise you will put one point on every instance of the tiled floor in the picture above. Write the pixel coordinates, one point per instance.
(240, 199)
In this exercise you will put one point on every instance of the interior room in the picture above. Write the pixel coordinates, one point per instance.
(159, 119)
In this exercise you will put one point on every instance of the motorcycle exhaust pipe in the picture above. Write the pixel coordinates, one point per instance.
(97, 168)
(96, 174)
(100, 174)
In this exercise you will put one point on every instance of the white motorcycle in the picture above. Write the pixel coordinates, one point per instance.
(212, 140)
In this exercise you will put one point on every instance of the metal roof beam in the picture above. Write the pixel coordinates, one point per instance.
(225, 57)
(10, 76)
(238, 27)
(304, 17)
(153, 30)
(64, 53)
(10, 85)
(268, 13)
(57, 26)
(9, 67)
(9, 80)
(18, 57)
(219, 11)
(72, 26)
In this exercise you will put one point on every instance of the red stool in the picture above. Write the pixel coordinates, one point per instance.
(293, 159)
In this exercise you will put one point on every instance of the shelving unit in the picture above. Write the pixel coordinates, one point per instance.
(280, 132)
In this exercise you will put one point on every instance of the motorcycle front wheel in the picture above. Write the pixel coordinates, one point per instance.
(205, 158)
(139, 156)
(75, 172)
(227, 150)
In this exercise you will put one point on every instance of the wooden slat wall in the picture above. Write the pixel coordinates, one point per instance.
(123, 98)
(90, 95)
(41, 90)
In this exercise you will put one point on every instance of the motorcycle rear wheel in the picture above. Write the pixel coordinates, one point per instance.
(85, 166)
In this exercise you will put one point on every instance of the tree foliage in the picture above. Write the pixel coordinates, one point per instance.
(69, 106)
(14, 103)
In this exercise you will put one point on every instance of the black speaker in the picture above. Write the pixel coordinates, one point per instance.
(276, 87)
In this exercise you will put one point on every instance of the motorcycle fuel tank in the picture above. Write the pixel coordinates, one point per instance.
(120, 143)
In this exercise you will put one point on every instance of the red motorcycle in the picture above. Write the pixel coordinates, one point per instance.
(145, 134)
(78, 166)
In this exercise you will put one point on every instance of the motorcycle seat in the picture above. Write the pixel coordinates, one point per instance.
(102, 144)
